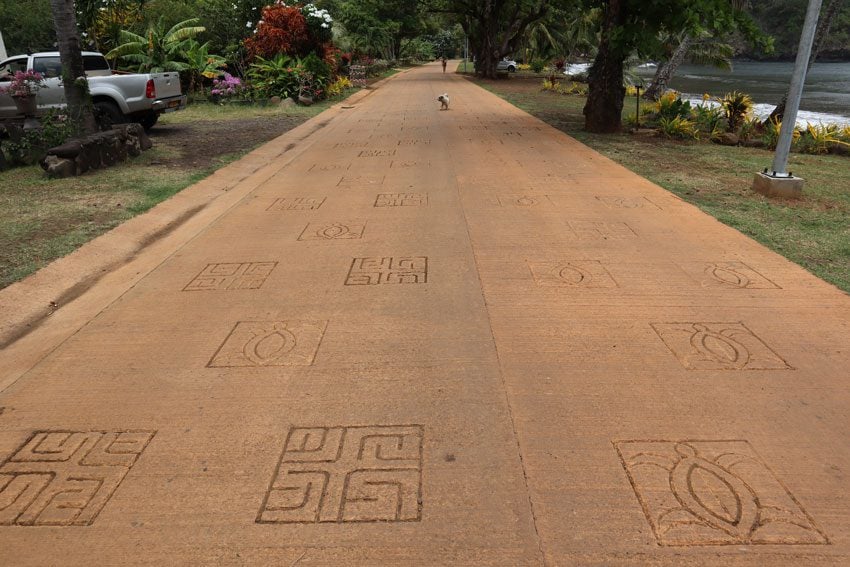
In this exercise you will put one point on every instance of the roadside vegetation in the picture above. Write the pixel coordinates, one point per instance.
(813, 232)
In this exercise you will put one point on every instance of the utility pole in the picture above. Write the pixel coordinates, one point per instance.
(777, 181)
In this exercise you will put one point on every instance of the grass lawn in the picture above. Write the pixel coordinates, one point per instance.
(814, 232)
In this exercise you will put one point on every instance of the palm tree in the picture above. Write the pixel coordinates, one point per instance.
(73, 73)
(701, 50)
(158, 50)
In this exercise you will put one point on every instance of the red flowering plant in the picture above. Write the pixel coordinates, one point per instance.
(283, 29)
(24, 84)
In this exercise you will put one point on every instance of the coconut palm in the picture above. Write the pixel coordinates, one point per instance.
(76, 90)
(158, 50)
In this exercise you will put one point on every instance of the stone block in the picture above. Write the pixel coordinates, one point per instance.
(783, 187)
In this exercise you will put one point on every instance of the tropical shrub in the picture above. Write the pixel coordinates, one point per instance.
(678, 127)
(820, 139)
(708, 118)
(749, 128)
(771, 134)
(523, 67)
(282, 30)
(28, 147)
(159, 49)
(671, 106)
(538, 65)
(737, 106)
(226, 88)
(277, 76)
(338, 87)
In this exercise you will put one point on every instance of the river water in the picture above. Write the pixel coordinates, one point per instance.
(826, 95)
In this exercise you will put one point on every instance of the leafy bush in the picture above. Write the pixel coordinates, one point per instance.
(708, 118)
(538, 65)
(749, 128)
(678, 127)
(523, 67)
(283, 30)
(338, 87)
(820, 139)
(771, 134)
(737, 107)
(671, 106)
(278, 76)
(31, 145)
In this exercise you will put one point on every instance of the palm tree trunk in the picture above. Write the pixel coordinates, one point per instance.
(821, 33)
(77, 97)
(667, 69)
(604, 108)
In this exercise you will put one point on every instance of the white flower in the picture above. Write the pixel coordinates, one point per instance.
(325, 25)
(249, 24)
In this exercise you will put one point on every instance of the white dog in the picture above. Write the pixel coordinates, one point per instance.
(444, 101)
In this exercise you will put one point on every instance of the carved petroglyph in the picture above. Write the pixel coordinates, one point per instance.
(231, 276)
(388, 270)
(347, 474)
(65, 478)
(524, 201)
(333, 231)
(713, 493)
(593, 230)
(323, 167)
(402, 200)
(727, 275)
(718, 346)
(583, 273)
(356, 181)
(270, 343)
(376, 153)
(296, 204)
(627, 202)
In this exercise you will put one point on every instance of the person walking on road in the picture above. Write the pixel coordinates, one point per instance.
(444, 64)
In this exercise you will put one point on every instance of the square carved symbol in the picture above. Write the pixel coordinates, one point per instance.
(323, 167)
(626, 202)
(592, 230)
(246, 275)
(296, 204)
(525, 201)
(713, 493)
(584, 273)
(727, 275)
(376, 153)
(402, 200)
(347, 474)
(65, 478)
(333, 230)
(355, 181)
(270, 343)
(404, 164)
(718, 346)
(388, 270)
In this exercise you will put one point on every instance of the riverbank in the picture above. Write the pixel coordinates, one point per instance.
(814, 232)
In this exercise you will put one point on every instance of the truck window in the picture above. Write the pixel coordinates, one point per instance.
(95, 63)
(12, 66)
(49, 67)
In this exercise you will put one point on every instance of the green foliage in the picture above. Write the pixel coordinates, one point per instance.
(678, 127)
(418, 49)
(378, 27)
(820, 139)
(538, 65)
(159, 49)
(338, 87)
(708, 119)
(278, 76)
(671, 106)
(737, 106)
(32, 145)
(27, 26)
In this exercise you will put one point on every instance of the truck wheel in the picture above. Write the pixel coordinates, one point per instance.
(148, 120)
(107, 114)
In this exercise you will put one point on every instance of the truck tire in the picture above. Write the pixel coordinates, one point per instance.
(148, 120)
(107, 114)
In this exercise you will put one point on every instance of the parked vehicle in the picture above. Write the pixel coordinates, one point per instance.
(508, 65)
(117, 97)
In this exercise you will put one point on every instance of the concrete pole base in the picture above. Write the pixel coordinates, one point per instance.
(783, 187)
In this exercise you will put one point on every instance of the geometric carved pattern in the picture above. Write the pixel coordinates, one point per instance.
(627, 202)
(585, 273)
(347, 474)
(376, 153)
(64, 478)
(270, 343)
(524, 201)
(718, 346)
(388, 270)
(319, 167)
(248, 275)
(333, 231)
(296, 204)
(727, 275)
(401, 200)
(592, 230)
(414, 142)
(409, 163)
(713, 493)
(353, 181)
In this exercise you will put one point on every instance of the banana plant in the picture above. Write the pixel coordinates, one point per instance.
(202, 64)
(158, 50)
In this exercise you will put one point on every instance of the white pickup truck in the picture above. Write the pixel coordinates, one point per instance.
(119, 97)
